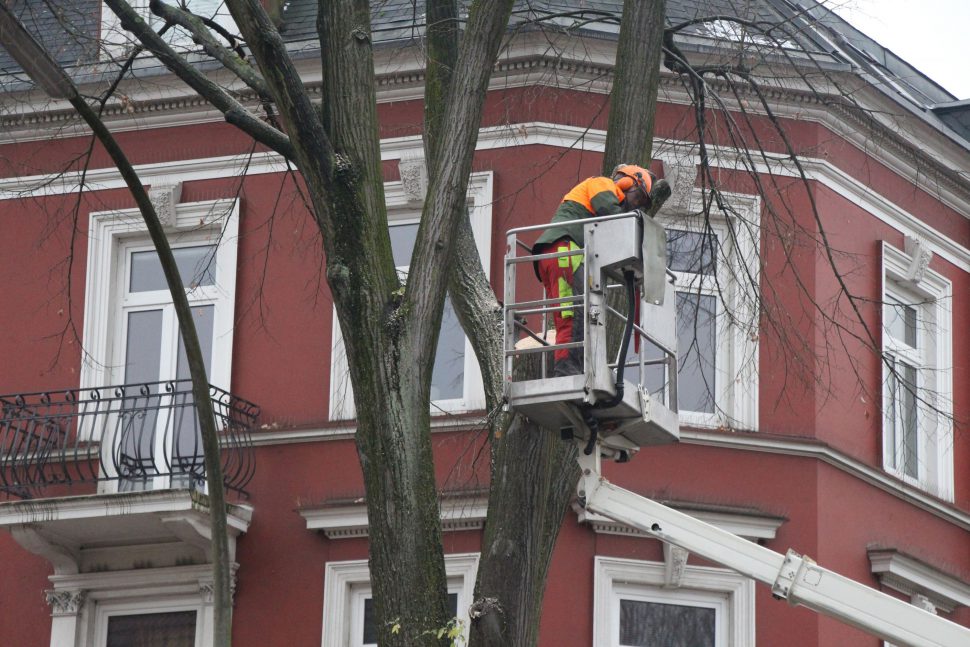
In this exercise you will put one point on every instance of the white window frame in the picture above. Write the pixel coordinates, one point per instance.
(737, 255)
(931, 295)
(111, 233)
(731, 594)
(342, 406)
(104, 612)
(347, 585)
(155, 590)
(129, 302)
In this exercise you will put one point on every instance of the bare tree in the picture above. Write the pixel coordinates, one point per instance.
(334, 144)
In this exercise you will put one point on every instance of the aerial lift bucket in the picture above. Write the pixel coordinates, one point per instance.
(617, 247)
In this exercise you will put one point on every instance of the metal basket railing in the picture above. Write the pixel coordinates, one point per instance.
(121, 438)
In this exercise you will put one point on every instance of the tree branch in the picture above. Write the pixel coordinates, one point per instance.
(231, 59)
(448, 176)
(219, 98)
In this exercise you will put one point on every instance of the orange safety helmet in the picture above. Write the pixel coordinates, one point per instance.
(627, 176)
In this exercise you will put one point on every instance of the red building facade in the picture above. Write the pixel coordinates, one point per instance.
(799, 425)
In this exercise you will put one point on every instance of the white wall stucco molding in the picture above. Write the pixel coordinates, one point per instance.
(755, 442)
(514, 135)
(573, 63)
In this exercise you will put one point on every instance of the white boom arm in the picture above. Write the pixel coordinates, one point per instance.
(793, 577)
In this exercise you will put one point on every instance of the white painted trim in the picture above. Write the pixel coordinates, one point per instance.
(263, 437)
(98, 506)
(749, 526)
(854, 468)
(935, 368)
(480, 195)
(736, 380)
(575, 62)
(907, 575)
(212, 221)
(345, 522)
(522, 134)
(134, 591)
(103, 612)
(740, 441)
(343, 579)
(735, 591)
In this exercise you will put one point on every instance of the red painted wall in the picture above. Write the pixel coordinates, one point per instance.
(281, 361)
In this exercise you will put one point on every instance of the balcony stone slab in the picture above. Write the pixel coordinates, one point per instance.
(120, 531)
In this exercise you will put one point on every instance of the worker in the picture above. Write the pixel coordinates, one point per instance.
(627, 189)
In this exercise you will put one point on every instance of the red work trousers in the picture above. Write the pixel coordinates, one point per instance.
(562, 277)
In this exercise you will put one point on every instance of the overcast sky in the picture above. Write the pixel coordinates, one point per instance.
(930, 35)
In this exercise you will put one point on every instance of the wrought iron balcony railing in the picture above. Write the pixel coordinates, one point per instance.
(119, 438)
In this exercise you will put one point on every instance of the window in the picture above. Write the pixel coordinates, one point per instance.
(116, 41)
(132, 336)
(917, 381)
(715, 265)
(159, 621)
(456, 383)
(149, 345)
(147, 607)
(130, 331)
(168, 629)
(348, 619)
(712, 607)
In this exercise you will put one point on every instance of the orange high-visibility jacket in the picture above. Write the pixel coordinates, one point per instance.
(595, 196)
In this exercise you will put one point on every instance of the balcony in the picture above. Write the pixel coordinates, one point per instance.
(119, 439)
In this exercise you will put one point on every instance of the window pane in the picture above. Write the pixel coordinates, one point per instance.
(689, 251)
(203, 316)
(908, 415)
(651, 624)
(402, 243)
(892, 417)
(696, 352)
(187, 454)
(144, 347)
(137, 424)
(900, 321)
(448, 377)
(196, 266)
(152, 630)
(370, 628)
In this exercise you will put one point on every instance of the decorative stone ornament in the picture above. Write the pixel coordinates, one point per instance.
(920, 257)
(923, 602)
(164, 198)
(414, 178)
(682, 176)
(65, 603)
(675, 563)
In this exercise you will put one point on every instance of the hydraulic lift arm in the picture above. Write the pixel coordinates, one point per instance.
(635, 417)
(796, 578)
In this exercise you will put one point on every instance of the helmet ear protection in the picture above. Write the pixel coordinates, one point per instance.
(628, 176)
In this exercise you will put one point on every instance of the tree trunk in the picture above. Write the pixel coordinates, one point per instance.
(534, 473)
(222, 574)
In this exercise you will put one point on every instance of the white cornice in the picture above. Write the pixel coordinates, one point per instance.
(96, 506)
(349, 521)
(530, 60)
(806, 449)
(911, 577)
(752, 442)
(748, 525)
(523, 134)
